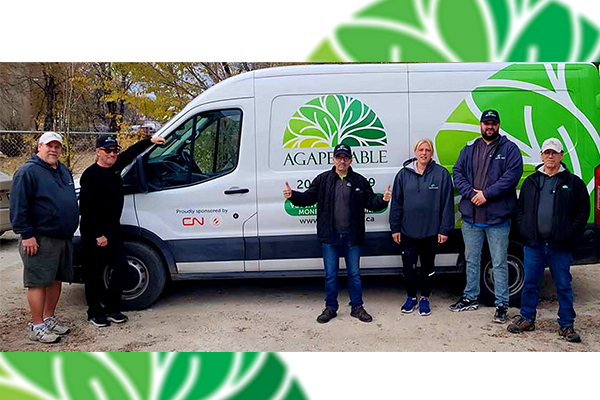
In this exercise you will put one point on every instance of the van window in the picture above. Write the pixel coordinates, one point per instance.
(204, 147)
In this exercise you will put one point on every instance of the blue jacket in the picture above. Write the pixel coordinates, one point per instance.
(43, 201)
(422, 205)
(505, 170)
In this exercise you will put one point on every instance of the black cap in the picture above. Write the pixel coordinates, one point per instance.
(106, 141)
(490, 115)
(342, 149)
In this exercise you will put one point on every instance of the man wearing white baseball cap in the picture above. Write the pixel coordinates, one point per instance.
(553, 208)
(44, 211)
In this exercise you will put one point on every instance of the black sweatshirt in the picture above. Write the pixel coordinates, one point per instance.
(422, 205)
(43, 201)
(101, 195)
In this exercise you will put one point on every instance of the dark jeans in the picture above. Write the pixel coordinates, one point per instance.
(424, 249)
(559, 262)
(95, 260)
(331, 260)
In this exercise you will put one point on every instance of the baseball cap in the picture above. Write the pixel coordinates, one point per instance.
(48, 137)
(106, 141)
(342, 149)
(490, 115)
(552, 144)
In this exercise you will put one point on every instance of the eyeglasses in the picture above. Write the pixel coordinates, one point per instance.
(115, 150)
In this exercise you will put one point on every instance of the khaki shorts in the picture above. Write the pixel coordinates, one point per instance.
(52, 262)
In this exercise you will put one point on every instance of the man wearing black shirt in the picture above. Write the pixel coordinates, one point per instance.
(101, 204)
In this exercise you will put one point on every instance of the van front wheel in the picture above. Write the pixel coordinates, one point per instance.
(516, 279)
(148, 276)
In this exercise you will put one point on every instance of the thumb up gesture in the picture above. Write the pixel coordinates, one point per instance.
(287, 192)
(387, 195)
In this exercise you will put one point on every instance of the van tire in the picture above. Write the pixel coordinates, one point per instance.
(149, 280)
(516, 278)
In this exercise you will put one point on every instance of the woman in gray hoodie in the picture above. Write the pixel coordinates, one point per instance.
(421, 216)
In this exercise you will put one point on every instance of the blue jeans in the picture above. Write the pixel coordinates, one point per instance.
(497, 237)
(535, 259)
(331, 260)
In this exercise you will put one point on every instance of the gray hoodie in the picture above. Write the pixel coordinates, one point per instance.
(43, 201)
(422, 205)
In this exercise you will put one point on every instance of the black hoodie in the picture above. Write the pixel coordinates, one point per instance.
(422, 205)
(43, 201)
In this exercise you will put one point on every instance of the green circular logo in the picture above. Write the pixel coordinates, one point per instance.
(329, 120)
(463, 31)
(146, 376)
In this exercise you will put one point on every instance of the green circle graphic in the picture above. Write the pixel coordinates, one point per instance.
(146, 376)
(327, 121)
(463, 31)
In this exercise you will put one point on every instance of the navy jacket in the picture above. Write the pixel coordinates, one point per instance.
(571, 210)
(43, 201)
(422, 205)
(505, 170)
(321, 191)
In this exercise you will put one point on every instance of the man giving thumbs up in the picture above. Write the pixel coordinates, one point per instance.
(341, 196)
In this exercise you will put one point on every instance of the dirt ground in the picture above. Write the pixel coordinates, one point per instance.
(279, 315)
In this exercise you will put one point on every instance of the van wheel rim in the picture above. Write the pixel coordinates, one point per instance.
(140, 271)
(516, 276)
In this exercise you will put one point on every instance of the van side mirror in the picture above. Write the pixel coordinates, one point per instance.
(140, 174)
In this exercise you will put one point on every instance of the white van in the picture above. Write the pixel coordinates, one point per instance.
(209, 203)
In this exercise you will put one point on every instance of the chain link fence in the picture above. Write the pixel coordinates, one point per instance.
(77, 154)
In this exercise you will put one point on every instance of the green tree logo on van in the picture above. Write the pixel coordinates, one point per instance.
(535, 102)
(329, 120)
(463, 30)
(145, 376)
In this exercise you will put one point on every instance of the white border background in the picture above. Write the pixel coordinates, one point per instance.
(269, 30)
(199, 30)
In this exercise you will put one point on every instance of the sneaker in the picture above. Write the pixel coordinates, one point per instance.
(410, 305)
(117, 317)
(569, 334)
(464, 304)
(55, 327)
(99, 321)
(501, 315)
(43, 335)
(424, 307)
(327, 315)
(519, 324)
(361, 314)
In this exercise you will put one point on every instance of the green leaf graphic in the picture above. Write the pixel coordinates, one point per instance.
(463, 30)
(461, 23)
(525, 95)
(141, 376)
(329, 120)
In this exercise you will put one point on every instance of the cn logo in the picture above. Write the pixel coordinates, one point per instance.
(191, 221)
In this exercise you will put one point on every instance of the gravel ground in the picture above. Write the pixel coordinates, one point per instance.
(279, 315)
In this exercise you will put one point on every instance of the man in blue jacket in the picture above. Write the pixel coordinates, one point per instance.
(341, 196)
(43, 210)
(486, 174)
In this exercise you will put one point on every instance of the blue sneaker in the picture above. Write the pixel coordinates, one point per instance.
(410, 305)
(424, 308)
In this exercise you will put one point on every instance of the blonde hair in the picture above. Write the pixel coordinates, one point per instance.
(424, 140)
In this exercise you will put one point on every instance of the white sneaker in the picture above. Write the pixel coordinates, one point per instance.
(43, 335)
(55, 327)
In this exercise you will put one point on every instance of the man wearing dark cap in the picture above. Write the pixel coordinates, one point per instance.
(486, 174)
(341, 196)
(101, 204)
(553, 208)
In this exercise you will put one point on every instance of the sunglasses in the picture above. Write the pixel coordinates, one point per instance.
(116, 150)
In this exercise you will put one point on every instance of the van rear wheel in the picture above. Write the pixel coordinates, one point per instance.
(148, 276)
(516, 279)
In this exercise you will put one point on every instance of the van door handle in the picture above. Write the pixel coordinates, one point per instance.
(236, 191)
